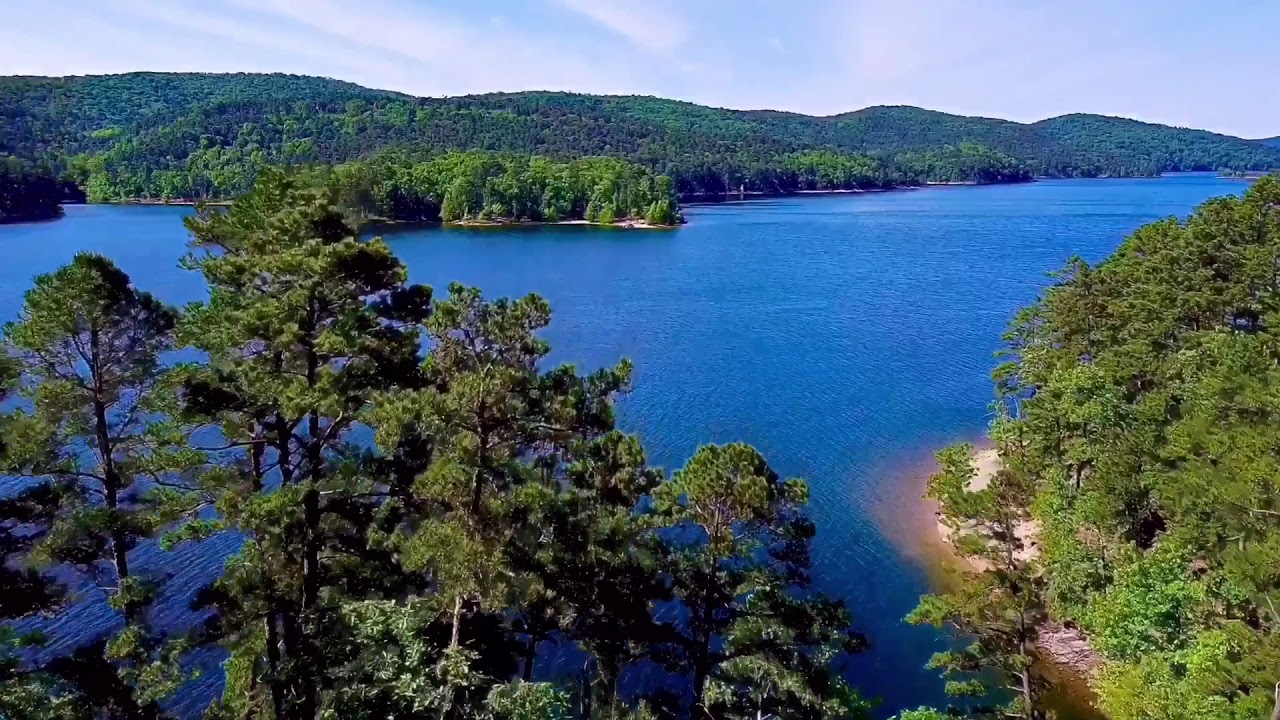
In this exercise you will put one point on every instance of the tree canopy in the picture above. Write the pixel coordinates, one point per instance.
(433, 521)
(155, 134)
(28, 192)
(1137, 421)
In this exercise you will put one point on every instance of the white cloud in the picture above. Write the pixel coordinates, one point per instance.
(412, 37)
(444, 55)
(243, 30)
(647, 25)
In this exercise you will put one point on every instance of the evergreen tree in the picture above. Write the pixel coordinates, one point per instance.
(86, 438)
(756, 639)
(304, 324)
(1000, 608)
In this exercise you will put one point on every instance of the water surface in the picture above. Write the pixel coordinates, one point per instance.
(846, 336)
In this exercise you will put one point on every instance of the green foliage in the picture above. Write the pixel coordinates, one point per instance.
(182, 135)
(27, 192)
(429, 513)
(529, 701)
(921, 714)
(965, 163)
(743, 580)
(489, 187)
(98, 474)
(1139, 405)
(1185, 683)
(1151, 605)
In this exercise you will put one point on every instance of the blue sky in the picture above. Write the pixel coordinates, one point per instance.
(1198, 63)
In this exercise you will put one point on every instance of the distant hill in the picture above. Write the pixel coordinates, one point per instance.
(127, 129)
(1273, 142)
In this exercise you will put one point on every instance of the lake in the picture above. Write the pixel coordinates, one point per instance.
(846, 336)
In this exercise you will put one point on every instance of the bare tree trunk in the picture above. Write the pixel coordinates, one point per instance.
(457, 622)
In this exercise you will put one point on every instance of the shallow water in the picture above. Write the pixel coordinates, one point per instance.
(845, 336)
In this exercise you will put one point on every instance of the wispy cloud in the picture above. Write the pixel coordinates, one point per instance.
(248, 29)
(647, 25)
(1003, 58)
(435, 53)
(375, 25)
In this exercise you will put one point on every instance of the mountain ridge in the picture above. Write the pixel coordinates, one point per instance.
(624, 96)
(130, 127)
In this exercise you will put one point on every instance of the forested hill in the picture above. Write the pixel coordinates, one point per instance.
(216, 128)
(1273, 142)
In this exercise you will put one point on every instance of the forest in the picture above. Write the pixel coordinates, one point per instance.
(1138, 428)
(27, 192)
(477, 186)
(154, 135)
(432, 521)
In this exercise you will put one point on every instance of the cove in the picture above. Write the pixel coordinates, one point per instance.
(845, 336)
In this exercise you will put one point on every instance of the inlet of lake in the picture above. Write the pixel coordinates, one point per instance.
(846, 336)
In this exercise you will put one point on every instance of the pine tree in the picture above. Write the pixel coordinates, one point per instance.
(304, 324)
(757, 640)
(86, 437)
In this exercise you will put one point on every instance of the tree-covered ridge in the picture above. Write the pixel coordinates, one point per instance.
(216, 128)
(1273, 142)
(27, 192)
(435, 522)
(1138, 426)
(77, 114)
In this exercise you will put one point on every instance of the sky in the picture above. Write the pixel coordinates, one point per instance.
(1210, 64)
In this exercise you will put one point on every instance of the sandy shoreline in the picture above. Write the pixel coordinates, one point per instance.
(986, 463)
(1075, 663)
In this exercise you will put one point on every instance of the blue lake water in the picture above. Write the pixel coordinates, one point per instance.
(846, 336)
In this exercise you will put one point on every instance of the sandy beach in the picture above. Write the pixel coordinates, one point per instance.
(1065, 646)
(986, 463)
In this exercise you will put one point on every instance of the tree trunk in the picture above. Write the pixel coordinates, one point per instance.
(311, 549)
(274, 681)
(457, 622)
(530, 654)
(119, 543)
(1026, 693)
(311, 517)
(702, 662)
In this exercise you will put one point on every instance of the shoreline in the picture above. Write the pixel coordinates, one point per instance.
(986, 463)
(179, 202)
(1069, 662)
(748, 195)
(624, 224)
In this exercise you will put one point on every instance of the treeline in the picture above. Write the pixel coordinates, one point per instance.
(1140, 436)
(200, 136)
(455, 532)
(483, 184)
(28, 192)
(826, 170)
(480, 186)
(967, 163)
